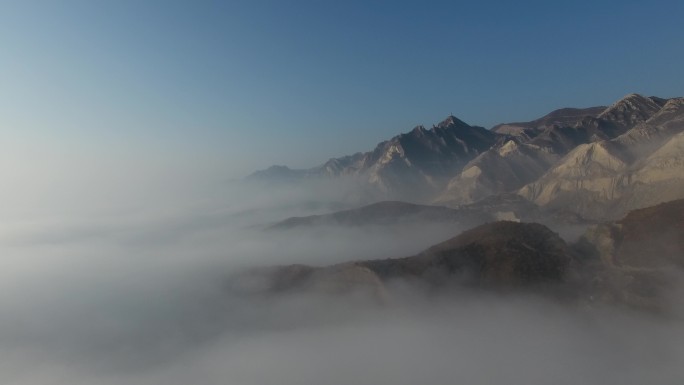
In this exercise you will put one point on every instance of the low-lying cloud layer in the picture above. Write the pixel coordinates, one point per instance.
(141, 298)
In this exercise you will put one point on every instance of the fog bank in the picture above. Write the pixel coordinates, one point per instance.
(140, 297)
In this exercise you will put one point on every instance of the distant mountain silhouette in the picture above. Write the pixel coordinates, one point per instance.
(597, 162)
(411, 166)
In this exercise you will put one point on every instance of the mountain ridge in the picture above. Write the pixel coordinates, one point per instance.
(607, 178)
(619, 262)
(425, 158)
(453, 163)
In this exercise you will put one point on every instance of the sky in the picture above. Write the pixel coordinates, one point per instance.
(221, 88)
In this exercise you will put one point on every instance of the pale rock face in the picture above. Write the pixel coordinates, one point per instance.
(506, 216)
(594, 182)
(392, 153)
(534, 147)
(589, 160)
(508, 148)
(644, 166)
(659, 178)
(496, 171)
(471, 172)
(416, 165)
(575, 159)
(667, 163)
(413, 166)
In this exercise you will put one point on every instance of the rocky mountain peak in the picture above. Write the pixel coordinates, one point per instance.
(607, 149)
(451, 122)
(674, 105)
(630, 110)
(418, 130)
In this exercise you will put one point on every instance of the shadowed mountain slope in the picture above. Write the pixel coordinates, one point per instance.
(494, 254)
(627, 262)
(412, 166)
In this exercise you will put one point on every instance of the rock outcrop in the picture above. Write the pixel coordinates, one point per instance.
(606, 179)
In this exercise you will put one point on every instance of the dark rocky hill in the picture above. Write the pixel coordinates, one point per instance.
(629, 262)
(381, 213)
(499, 254)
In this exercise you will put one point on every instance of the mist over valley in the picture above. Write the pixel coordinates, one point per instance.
(329, 193)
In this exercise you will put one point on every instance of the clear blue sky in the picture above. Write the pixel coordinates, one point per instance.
(240, 85)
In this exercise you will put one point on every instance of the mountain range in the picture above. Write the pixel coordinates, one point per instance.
(597, 162)
(624, 262)
(612, 175)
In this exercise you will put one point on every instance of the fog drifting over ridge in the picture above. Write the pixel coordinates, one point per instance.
(140, 297)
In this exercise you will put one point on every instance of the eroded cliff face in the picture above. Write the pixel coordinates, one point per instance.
(418, 164)
(534, 147)
(498, 171)
(595, 168)
(606, 179)
(413, 166)
(596, 162)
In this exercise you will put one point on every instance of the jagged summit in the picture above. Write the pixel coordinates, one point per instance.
(411, 166)
(565, 159)
(630, 110)
(452, 121)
